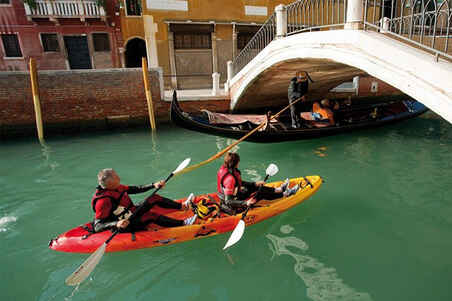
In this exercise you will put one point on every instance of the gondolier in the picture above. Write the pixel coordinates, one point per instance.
(298, 87)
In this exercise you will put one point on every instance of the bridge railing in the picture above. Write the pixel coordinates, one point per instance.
(262, 38)
(425, 23)
(302, 15)
(309, 15)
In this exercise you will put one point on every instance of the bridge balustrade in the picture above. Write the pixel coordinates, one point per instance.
(425, 24)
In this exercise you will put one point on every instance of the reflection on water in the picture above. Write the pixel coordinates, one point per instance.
(253, 175)
(222, 143)
(322, 282)
(4, 221)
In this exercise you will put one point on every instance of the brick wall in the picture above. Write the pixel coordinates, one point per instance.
(75, 98)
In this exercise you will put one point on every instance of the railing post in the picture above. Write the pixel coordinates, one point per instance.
(281, 21)
(27, 9)
(215, 83)
(384, 25)
(230, 71)
(354, 14)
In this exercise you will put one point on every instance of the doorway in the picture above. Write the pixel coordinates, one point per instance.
(78, 52)
(135, 50)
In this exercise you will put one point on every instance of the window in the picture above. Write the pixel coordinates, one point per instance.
(11, 45)
(243, 39)
(5, 2)
(133, 7)
(50, 42)
(192, 41)
(101, 42)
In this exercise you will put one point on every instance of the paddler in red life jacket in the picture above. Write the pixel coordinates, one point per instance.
(112, 205)
(234, 192)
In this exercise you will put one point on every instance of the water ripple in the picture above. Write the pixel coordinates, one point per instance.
(323, 283)
(4, 221)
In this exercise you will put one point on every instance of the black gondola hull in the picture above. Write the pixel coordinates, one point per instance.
(183, 119)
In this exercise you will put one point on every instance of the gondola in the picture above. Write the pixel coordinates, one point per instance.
(347, 119)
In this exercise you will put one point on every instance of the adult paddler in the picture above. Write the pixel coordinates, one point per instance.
(236, 194)
(112, 205)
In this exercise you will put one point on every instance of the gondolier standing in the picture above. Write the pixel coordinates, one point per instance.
(298, 87)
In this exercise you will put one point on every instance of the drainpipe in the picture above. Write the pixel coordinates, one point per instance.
(281, 21)
(354, 14)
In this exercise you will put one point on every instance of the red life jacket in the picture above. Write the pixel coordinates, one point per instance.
(117, 197)
(223, 172)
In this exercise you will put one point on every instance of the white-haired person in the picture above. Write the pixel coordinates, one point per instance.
(112, 205)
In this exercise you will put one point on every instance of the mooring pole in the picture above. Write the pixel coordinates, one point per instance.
(36, 101)
(148, 92)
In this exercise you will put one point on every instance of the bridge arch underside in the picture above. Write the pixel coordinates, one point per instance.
(269, 88)
(336, 56)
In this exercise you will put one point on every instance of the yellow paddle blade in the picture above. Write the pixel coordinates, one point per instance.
(86, 267)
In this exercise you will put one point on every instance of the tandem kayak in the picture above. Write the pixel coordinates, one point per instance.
(80, 240)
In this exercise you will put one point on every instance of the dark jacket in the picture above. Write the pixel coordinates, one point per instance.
(297, 89)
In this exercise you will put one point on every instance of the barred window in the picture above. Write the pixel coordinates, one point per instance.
(192, 40)
(101, 42)
(11, 45)
(243, 39)
(50, 42)
(133, 7)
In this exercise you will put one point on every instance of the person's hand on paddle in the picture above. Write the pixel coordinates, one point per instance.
(160, 184)
(122, 224)
(251, 202)
(259, 183)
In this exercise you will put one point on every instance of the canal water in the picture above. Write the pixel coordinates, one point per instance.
(378, 229)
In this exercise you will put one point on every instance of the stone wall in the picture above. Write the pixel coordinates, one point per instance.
(76, 100)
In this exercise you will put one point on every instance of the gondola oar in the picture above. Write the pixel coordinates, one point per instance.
(238, 231)
(85, 269)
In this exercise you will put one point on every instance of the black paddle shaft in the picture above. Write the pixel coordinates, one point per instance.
(248, 208)
(135, 213)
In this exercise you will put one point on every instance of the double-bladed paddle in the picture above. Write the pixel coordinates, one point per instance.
(85, 269)
(238, 231)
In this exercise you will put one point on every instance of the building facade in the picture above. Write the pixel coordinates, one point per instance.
(60, 35)
(190, 39)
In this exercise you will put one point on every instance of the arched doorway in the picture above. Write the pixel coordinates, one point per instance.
(135, 50)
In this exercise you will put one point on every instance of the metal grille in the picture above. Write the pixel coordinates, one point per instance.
(303, 15)
(308, 15)
(192, 40)
(427, 24)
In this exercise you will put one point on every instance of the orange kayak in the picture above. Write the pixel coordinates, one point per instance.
(80, 240)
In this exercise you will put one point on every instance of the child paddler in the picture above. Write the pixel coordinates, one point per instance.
(236, 194)
(112, 205)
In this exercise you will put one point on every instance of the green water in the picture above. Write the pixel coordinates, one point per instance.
(379, 229)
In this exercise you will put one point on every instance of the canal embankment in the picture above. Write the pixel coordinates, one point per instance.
(84, 100)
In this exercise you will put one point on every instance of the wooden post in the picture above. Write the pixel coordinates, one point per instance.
(36, 101)
(144, 65)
